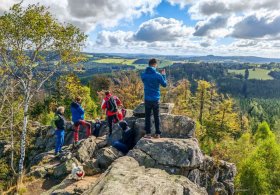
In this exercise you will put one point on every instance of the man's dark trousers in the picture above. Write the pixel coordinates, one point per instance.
(110, 120)
(149, 107)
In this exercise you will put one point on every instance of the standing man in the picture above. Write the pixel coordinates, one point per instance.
(110, 104)
(78, 118)
(152, 81)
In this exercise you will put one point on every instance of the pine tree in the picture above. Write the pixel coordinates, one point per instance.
(202, 98)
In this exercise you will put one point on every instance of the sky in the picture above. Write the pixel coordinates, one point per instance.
(172, 27)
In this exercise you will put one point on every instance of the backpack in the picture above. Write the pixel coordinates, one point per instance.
(112, 104)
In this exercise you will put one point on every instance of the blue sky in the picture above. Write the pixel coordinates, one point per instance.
(172, 27)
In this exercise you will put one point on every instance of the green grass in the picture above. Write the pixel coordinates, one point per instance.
(124, 61)
(115, 61)
(258, 73)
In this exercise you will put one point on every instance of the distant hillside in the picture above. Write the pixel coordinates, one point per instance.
(246, 59)
(209, 58)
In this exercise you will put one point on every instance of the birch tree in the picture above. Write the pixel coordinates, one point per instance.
(33, 46)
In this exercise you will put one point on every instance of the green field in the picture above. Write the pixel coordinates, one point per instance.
(258, 73)
(115, 61)
(163, 63)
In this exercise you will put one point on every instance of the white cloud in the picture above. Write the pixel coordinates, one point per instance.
(182, 3)
(204, 28)
(87, 14)
(162, 29)
(201, 9)
(252, 25)
(108, 38)
(257, 27)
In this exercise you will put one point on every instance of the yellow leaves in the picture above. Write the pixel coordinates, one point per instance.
(129, 89)
(70, 87)
(203, 85)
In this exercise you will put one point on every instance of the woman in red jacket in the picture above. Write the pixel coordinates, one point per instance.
(110, 104)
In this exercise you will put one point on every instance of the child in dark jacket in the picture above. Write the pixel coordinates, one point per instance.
(128, 138)
(96, 127)
(60, 124)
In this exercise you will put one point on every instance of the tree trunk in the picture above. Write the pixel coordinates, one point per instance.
(22, 142)
(223, 118)
(12, 140)
(201, 107)
(211, 101)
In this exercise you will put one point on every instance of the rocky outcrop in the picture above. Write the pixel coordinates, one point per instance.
(170, 165)
(93, 153)
(126, 177)
(174, 155)
(172, 126)
(184, 157)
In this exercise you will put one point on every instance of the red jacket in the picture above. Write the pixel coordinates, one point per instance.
(104, 105)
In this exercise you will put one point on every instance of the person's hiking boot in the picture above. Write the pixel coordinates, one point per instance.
(61, 152)
(156, 136)
(56, 154)
(148, 136)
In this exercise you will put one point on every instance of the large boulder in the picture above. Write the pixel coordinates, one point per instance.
(165, 108)
(126, 177)
(64, 168)
(106, 156)
(70, 186)
(173, 155)
(173, 126)
(86, 149)
(184, 157)
(215, 175)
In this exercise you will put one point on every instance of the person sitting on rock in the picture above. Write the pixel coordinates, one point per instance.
(152, 81)
(110, 104)
(60, 124)
(128, 138)
(78, 118)
(97, 126)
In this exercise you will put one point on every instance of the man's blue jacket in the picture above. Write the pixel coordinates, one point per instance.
(152, 81)
(77, 111)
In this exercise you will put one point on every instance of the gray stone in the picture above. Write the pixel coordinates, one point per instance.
(164, 108)
(172, 126)
(126, 177)
(38, 172)
(91, 167)
(64, 168)
(42, 158)
(86, 149)
(214, 173)
(106, 156)
(72, 187)
(183, 157)
(182, 153)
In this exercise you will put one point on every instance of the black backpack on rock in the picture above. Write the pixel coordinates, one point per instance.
(112, 105)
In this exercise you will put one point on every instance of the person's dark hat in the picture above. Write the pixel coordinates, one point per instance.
(123, 125)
